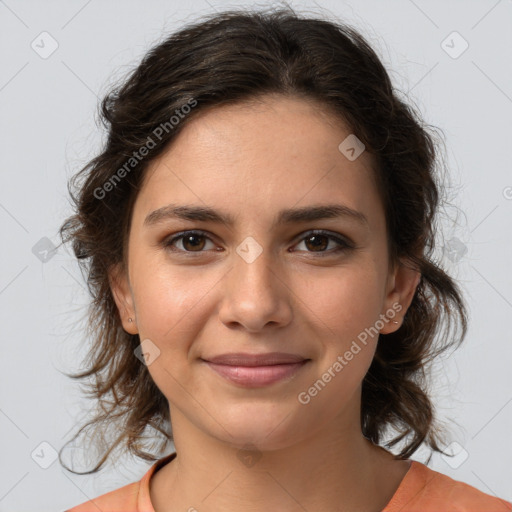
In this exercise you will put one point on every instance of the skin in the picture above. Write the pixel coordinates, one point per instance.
(251, 160)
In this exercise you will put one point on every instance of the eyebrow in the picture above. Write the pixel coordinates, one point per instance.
(286, 216)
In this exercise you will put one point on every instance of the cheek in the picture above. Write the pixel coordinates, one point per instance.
(344, 301)
(167, 309)
(343, 308)
(167, 316)
(168, 297)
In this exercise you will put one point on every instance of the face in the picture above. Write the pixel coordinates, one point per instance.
(303, 283)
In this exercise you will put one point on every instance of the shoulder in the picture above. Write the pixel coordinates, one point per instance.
(426, 490)
(133, 497)
(119, 500)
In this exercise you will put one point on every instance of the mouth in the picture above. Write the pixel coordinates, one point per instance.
(256, 370)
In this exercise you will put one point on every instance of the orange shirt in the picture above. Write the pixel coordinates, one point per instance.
(421, 490)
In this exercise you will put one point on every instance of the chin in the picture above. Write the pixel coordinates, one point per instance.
(265, 427)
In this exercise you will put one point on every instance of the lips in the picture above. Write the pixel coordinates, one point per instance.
(244, 359)
(256, 370)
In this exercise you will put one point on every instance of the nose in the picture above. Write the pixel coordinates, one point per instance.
(255, 294)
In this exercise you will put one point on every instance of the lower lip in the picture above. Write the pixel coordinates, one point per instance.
(256, 376)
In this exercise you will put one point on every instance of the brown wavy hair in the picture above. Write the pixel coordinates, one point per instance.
(231, 57)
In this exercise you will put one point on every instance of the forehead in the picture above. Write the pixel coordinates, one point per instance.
(257, 157)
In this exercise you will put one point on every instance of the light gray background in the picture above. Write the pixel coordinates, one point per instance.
(47, 132)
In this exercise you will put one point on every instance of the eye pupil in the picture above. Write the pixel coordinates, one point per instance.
(187, 239)
(317, 242)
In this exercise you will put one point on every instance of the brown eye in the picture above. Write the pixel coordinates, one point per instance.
(315, 242)
(191, 241)
(319, 242)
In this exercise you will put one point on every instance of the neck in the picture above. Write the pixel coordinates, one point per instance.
(334, 469)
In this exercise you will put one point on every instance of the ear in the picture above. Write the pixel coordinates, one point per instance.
(401, 287)
(121, 291)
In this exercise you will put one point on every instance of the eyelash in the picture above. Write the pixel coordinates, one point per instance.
(343, 245)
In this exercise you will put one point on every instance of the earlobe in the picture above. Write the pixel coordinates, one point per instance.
(123, 298)
(401, 289)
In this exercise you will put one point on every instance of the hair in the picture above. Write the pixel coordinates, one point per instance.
(238, 56)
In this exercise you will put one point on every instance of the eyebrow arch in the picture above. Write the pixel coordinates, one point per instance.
(286, 216)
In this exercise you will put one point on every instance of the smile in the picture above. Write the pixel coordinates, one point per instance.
(256, 376)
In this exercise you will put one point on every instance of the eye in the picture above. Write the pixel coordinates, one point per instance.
(191, 241)
(318, 241)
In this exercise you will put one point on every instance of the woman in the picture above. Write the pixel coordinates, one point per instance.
(258, 234)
